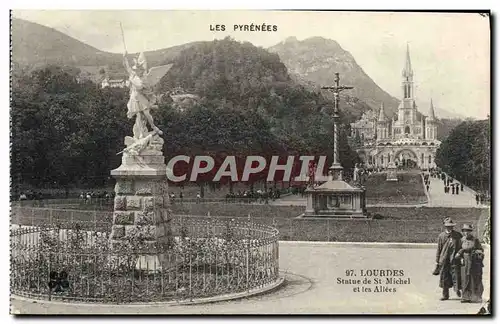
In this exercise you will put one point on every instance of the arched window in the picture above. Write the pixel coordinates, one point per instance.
(430, 159)
(407, 130)
(381, 159)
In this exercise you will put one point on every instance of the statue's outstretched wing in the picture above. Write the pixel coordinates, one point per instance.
(156, 73)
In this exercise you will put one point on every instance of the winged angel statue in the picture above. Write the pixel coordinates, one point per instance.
(142, 100)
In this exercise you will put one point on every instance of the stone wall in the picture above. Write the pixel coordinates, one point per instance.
(141, 211)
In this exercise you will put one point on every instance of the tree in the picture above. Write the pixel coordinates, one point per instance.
(465, 154)
(64, 132)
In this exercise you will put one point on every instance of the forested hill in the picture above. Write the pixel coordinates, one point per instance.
(229, 69)
(35, 45)
(247, 77)
(244, 78)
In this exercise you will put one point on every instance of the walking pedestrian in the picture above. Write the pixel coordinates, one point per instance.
(471, 256)
(447, 266)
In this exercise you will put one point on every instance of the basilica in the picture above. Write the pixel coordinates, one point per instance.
(407, 139)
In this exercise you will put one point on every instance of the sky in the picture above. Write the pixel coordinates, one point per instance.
(450, 52)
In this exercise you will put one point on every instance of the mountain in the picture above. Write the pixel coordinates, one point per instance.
(34, 44)
(316, 59)
(37, 45)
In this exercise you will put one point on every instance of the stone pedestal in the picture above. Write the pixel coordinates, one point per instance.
(309, 203)
(141, 205)
(392, 172)
(335, 199)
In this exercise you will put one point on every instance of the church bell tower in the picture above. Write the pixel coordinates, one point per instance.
(407, 74)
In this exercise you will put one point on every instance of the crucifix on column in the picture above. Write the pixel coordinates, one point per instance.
(336, 167)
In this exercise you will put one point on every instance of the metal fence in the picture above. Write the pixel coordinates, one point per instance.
(72, 260)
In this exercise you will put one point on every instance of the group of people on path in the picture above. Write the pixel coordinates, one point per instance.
(480, 199)
(251, 196)
(451, 187)
(92, 196)
(459, 263)
(427, 182)
(450, 184)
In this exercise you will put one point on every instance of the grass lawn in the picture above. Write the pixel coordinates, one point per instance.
(408, 190)
(417, 225)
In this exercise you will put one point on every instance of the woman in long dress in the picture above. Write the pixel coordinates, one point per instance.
(471, 255)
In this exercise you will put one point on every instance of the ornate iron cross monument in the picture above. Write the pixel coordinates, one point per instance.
(335, 198)
(336, 167)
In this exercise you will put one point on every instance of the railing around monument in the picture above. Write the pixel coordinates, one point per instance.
(58, 256)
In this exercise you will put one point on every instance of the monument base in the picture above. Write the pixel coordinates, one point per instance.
(336, 199)
(392, 173)
(335, 214)
(141, 217)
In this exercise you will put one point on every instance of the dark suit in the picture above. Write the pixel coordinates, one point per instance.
(448, 245)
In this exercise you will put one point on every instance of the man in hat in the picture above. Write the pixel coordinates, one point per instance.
(447, 266)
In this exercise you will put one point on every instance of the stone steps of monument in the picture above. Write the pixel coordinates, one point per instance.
(337, 214)
(334, 217)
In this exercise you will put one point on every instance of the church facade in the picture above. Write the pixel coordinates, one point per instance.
(406, 139)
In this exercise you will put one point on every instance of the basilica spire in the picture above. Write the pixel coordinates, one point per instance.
(407, 71)
(381, 116)
(432, 114)
(407, 83)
